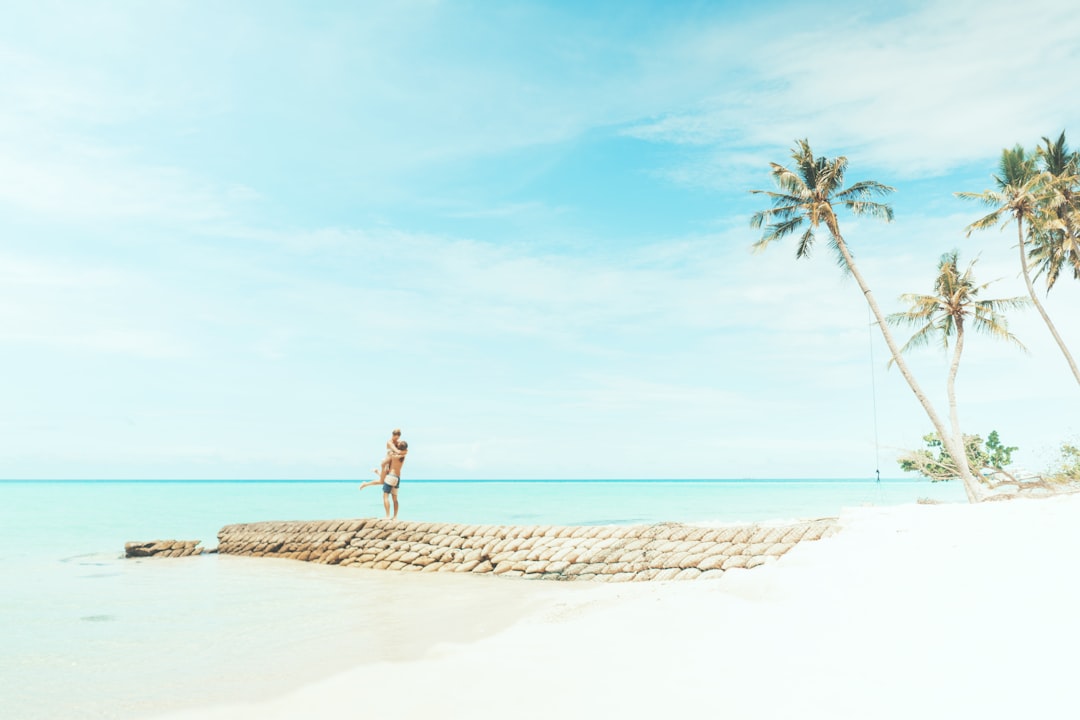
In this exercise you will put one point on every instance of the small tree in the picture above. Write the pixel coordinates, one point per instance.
(997, 454)
(937, 465)
(991, 460)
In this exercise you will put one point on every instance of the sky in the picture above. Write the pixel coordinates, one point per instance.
(248, 239)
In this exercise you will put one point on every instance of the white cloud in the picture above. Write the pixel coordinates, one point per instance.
(622, 347)
(79, 183)
(916, 93)
(277, 344)
(78, 308)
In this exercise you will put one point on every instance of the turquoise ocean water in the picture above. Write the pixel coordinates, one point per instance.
(89, 634)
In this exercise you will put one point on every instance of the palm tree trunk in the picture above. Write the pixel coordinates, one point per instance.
(954, 416)
(1038, 305)
(954, 446)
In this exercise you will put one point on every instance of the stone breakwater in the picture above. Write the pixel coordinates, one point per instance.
(608, 553)
(164, 548)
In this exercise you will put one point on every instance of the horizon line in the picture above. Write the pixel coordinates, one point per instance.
(459, 480)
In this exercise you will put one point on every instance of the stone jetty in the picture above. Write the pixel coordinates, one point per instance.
(164, 548)
(608, 553)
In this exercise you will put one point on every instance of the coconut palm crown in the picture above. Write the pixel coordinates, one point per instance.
(1018, 194)
(955, 301)
(1029, 196)
(1055, 236)
(807, 196)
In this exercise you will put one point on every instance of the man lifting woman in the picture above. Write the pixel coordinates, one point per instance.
(389, 472)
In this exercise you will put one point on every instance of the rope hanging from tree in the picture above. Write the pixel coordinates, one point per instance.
(873, 394)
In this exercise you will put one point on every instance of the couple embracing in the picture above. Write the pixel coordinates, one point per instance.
(389, 472)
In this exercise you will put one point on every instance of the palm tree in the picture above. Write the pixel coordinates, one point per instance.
(806, 197)
(944, 315)
(1056, 237)
(1024, 194)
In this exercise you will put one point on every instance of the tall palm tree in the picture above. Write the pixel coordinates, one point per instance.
(1023, 194)
(1055, 238)
(806, 197)
(944, 315)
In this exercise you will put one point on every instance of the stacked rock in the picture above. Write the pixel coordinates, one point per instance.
(666, 551)
(163, 548)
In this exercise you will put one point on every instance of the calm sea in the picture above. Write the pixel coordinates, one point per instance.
(89, 634)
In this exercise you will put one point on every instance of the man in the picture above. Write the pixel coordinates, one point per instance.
(392, 480)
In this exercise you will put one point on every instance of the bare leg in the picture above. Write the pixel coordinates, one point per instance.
(394, 493)
(381, 471)
(384, 469)
(386, 503)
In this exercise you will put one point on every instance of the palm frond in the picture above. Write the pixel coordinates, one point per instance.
(1000, 305)
(987, 221)
(986, 197)
(922, 307)
(865, 189)
(1055, 156)
(838, 256)
(790, 182)
(831, 175)
(989, 322)
(780, 212)
(870, 209)
(1016, 167)
(777, 231)
(806, 243)
(921, 338)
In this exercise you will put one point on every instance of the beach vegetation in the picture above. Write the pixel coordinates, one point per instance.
(1038, 191)
(1067, 468)
(804, 203)
(992, 460)
(934, 463)
(998, 455)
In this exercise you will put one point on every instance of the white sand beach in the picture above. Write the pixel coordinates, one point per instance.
(918, 611)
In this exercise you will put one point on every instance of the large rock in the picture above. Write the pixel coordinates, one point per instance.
(164, 548)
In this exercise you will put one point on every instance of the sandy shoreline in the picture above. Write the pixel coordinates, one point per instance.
(912, 611)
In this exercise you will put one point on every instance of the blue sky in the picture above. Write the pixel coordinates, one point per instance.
(247, 239)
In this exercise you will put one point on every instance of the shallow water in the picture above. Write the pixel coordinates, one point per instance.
(98, 636)
(90, 634)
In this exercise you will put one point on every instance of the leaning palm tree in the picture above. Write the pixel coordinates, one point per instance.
(945, 314)
(1055, 236)
(1023, 194)
(806, 196)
